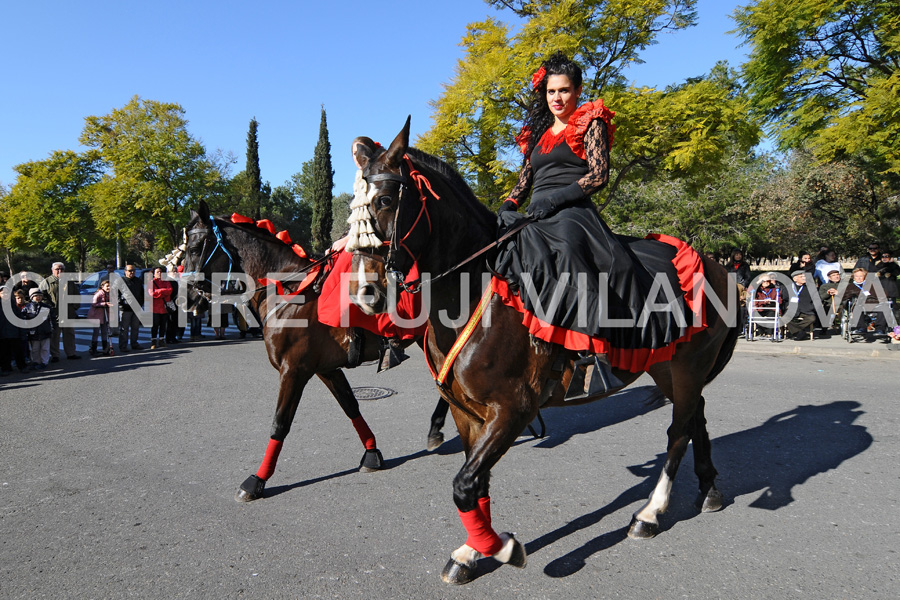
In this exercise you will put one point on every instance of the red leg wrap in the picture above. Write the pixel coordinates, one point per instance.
(365, 434)
(268, 464)
(481, 537)
(484, 505)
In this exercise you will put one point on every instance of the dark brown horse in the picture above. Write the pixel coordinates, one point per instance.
(216, 245)
(420, 209)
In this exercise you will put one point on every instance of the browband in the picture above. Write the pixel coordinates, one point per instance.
(385, 177)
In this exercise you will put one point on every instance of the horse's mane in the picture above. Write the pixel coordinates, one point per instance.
(458, 185)
(264, 234)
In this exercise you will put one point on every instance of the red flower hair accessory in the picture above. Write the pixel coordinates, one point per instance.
(538, 77)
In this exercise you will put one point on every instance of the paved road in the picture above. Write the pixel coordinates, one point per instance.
(118, 474)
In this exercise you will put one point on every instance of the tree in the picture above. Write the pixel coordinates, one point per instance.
(685, 129)
(824, 75)
(156, 171)
(49, 207)
(320, 188)
(340, 212)
(254, 183)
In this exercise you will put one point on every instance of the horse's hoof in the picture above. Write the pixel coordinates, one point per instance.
(714, 501)
(457, 573)
(641, 530)
(251, 489)
(513, 552)
(434, 441)
(372, 460)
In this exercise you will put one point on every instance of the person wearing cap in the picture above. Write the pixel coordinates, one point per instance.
(801, 296)
(40, 328)
(828, 294)
(50, 287)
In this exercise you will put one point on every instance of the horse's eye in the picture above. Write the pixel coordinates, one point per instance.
(384, 201)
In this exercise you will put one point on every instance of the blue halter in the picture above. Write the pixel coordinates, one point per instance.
(219, 244)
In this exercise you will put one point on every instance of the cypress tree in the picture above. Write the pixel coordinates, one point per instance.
(254, 182)
(321, 186)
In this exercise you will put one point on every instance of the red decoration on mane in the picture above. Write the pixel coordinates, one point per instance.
(266, 224)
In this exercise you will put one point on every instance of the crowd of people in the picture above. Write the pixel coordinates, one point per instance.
(34, 345)
(873, 280)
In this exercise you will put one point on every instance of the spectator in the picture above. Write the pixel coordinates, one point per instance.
(24, 284)
(887, 272)
(10, 335)
(20, 301)
(195, 318)
(804, 262)
(871, 298)
(827, 262)
(50, 287)
(739, 269)
(4, 277)
(174, 333)
(100, 310)
(828, 294)
(870, 261)
(768, 297)
(39, 329)
(806, 310)
(132, 290)
(161, 292)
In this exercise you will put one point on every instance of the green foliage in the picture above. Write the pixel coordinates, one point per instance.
(687, 130)
(340, 212)
(320, 189)
(49, 207)
(824, 73)
(254, 182)
(156, 171)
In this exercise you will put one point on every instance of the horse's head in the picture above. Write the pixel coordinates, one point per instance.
(389, 225)
(206, 251)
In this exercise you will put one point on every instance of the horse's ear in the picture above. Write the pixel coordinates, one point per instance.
(203, 211)
(363, 150)
(398, 147)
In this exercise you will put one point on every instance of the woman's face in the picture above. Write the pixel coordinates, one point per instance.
(562, 96)
(104, 286)
(157, 273)
(804, 258)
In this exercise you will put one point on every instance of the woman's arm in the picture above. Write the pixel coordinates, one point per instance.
(520, 192)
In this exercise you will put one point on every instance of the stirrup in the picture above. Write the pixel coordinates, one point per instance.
(389, 355)
(591, 377)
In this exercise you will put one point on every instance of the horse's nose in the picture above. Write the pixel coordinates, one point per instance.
(369, 298)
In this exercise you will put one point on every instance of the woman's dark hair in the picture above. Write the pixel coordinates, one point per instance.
(539, 118)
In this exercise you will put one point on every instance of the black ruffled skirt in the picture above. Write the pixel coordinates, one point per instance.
(572, 272)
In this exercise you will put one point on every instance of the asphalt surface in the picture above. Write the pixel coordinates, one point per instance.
(118, 475)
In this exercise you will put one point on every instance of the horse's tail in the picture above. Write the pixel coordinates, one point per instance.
(727, 349)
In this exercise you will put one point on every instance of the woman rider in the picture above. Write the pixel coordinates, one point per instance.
(569, 253)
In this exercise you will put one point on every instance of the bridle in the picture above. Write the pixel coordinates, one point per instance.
(421, 183)
(220, 244)
(394, 245)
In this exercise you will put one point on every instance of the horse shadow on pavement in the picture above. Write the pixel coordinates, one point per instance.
(769, 460)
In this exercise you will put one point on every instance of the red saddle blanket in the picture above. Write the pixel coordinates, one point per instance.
(336, 309)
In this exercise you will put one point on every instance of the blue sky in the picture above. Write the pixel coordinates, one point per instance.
(370, 63)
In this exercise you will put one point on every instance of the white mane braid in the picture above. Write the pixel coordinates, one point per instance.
(362, 234)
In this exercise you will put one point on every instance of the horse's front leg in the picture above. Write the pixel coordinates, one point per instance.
(484, 445)
(337, 383)
(289, 392)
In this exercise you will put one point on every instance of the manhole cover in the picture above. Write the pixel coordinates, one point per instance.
(372, 393)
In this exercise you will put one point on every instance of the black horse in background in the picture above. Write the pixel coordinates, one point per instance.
(217, 245)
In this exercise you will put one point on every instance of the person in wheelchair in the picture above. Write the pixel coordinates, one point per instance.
(871, 298)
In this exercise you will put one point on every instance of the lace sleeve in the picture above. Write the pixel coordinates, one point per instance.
(596, 148)
(520, 192)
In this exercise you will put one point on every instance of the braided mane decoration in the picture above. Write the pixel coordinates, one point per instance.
(362, 234)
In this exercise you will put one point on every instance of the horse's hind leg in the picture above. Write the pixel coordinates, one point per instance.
(438, 418)
(645, 523)
(337, 383)
(711, 498)
(289, 392)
